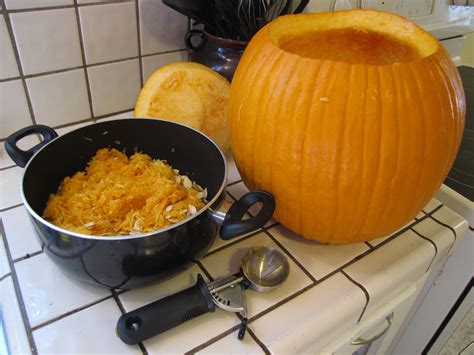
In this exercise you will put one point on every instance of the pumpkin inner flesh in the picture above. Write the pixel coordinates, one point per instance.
(350, 45)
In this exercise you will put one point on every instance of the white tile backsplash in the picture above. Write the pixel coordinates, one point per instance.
(59, 98)
(114, 87)
(8, 66)
(33, 4)
(14, 112)
(50, 41)
(113, 39)
(161, 28)
(47, 40)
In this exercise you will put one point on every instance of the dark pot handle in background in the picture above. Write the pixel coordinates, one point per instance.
(20, 156)
(188, 40)
(234, 225)
(155, 318)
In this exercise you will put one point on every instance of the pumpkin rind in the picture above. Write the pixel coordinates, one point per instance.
(351, 152)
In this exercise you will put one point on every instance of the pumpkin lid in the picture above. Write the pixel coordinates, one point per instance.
(189, 93)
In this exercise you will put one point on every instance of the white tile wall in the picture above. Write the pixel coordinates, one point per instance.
(59, 98)
(14, 112)
(161, 28)
(28, 4)
(8, 67)
(109, 40)
(47, 40)
(114, 86)
(118, 46)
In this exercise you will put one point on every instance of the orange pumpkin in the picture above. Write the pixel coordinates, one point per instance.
(351, 119)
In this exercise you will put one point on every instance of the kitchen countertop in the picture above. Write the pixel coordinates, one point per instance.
(329, 290)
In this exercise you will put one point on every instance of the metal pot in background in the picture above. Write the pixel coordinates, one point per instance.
(220, 54)
(139, 259)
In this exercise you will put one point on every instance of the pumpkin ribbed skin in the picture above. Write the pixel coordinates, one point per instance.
(350, 151)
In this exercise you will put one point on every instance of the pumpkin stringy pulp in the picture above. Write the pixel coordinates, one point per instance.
(120, 195)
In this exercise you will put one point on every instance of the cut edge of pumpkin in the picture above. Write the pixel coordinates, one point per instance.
(395, 28)
(144, 100)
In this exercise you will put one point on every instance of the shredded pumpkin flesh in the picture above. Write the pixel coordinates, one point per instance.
(120, 195)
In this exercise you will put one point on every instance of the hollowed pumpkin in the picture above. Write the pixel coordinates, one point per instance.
(351, 119)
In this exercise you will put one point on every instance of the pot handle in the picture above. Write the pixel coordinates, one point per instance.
(20, 156)
(166, 313)
(190, 34)
(234, 225)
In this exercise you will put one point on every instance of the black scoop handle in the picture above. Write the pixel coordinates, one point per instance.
(164, 314)
(20, 156)
(234, 225)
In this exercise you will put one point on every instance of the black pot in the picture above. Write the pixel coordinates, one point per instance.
(139, 259)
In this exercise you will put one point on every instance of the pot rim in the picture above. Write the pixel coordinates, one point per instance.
(130, 236)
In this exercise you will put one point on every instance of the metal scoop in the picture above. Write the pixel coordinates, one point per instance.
(262, 269)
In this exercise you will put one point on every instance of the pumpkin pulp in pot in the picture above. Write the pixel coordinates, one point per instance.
(351, 119)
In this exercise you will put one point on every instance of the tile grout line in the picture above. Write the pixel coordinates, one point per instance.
(258, 341)
(16, 53)
(364, 290)
(28, 256)
(282, 302)
(85, 66)
(83, 58)
(429, 241)
(140, 64)
(233, 183)
(340, 269)
(71, 312)
(212, 340)
(59, 7)
(13, 206)
(5, 276)
(292, 257)
(17, 289)
(91, 120)
(248, 236)
(450, 228)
